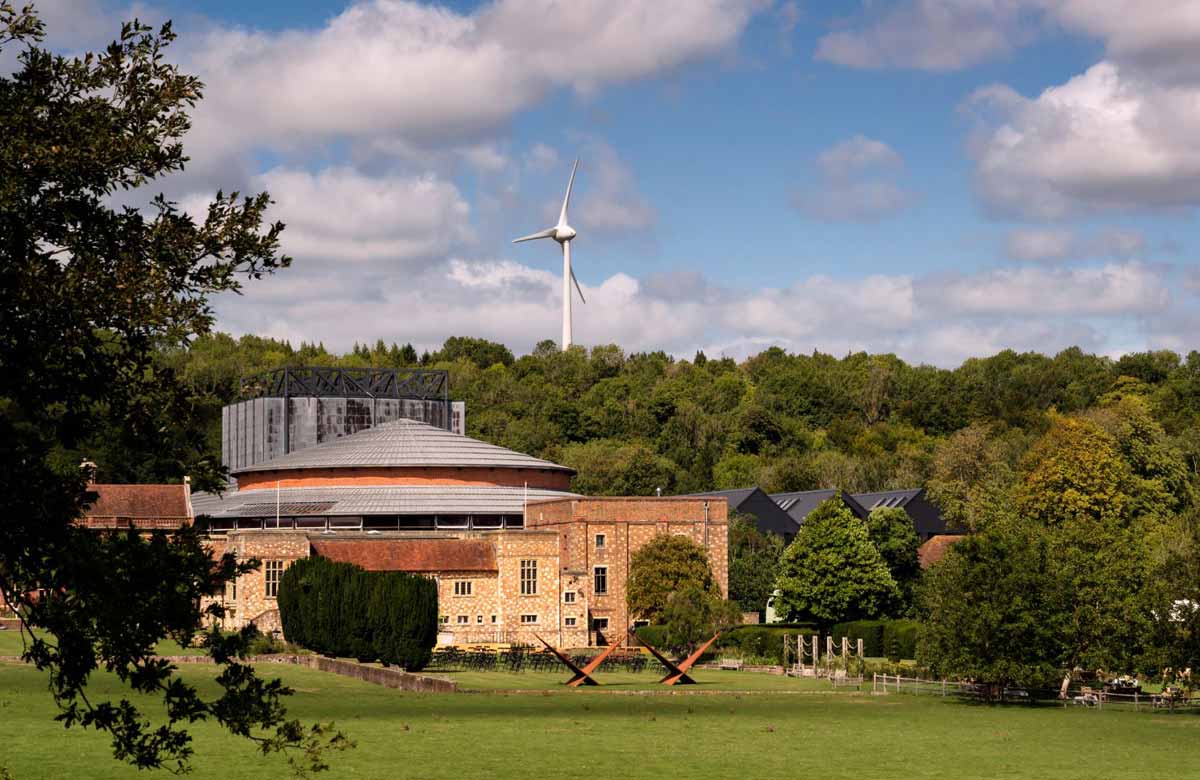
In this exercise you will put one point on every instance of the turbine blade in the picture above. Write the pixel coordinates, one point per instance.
(547, 233)
(577, 287)
(562, 215)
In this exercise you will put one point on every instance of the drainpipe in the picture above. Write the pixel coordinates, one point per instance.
(706, 526)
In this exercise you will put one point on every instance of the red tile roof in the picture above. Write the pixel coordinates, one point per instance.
(151, 506)
(415, 555)
(935, 548)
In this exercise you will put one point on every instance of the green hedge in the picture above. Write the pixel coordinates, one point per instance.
(757, 641)
(900, 639)
(338, 609)
(869, 631)
(892, 639)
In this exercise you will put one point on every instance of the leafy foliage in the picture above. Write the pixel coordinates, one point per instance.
(94, 295)
(831, 571)
(991, 610)
(338, 609)
(891, 531)
(666, 565)
(693, 614)
(753, 564)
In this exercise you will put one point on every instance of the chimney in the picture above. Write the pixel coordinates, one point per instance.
(88, 469)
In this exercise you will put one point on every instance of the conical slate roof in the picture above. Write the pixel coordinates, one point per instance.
(403, 443)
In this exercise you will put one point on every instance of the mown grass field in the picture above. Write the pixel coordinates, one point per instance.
(559, 733)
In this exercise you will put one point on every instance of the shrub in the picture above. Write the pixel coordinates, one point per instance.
(760, 642)
(337, 609)
(900, 637)
(869, 631)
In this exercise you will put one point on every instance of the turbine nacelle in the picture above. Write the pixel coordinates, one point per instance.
(564, 233)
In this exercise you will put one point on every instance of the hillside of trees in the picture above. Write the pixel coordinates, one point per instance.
(631, 423)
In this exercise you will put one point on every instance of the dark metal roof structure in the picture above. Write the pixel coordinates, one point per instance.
(403, 443)
(800, 503)
(327, 382)
(753, 501)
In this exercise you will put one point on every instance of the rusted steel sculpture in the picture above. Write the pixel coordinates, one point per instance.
(583, 675)
(677, 671)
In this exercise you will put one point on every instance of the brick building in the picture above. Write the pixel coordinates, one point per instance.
(514, 553)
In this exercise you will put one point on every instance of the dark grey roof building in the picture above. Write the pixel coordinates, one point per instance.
(790, 509)
(753, 501)
(927, 519)
(799, 504)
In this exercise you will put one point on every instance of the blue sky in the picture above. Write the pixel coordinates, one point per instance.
(935, 178)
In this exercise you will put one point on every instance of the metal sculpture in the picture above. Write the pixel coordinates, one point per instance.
(583, 675)
(677, 671)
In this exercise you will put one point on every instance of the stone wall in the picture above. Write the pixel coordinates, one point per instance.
(602, 534)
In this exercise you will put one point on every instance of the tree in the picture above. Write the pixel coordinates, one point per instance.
(831, 572)
(891, 531)
(665, 565)
(91, 292)
(481, 352)
(992, 610)
(693, 614)
(971, 476)
(753, 564)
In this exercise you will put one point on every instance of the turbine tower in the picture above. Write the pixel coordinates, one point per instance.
(563, 233)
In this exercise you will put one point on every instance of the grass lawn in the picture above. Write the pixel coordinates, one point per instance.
(566, 734)
(11, 644)
(628, 681)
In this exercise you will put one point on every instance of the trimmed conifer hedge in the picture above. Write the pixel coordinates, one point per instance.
(338, 609)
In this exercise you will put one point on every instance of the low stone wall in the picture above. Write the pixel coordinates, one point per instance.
(387, 677)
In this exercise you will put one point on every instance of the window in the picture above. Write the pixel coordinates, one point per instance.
(600, 624)
(443, 619)
(569, 622)
(600, 580)
(479, 618)
(231, 590)
(528, 578)
(569, 597)
(600, 540)
(462, 620)
(462, 588)
(274, 570)
(528, 619)
(493, 618)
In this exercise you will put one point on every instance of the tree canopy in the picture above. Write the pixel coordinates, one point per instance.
(667, 564)
(832, 572)
(95, 294)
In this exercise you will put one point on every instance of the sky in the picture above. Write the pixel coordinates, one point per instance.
(940, 179)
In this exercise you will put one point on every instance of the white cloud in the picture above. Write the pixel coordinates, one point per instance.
(1048, 245)
(609, 201)
(1104, 141)
(340, 214)
(434, 77)
(940, 319)
(933, 35)
(1113, 289)
(1040, 245)
(859, 181)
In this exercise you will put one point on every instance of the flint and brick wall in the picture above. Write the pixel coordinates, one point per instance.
(626, 525)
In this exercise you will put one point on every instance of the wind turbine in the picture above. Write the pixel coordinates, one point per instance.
(563, 233)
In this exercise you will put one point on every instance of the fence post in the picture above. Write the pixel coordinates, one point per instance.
(828, 646)
(860, 647)
(845, 647)
(943, 687)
